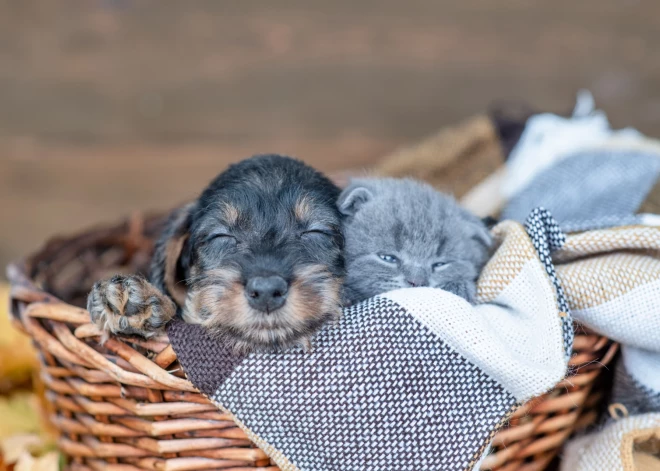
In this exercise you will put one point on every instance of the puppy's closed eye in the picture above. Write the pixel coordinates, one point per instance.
(222, 236)
(317, 233)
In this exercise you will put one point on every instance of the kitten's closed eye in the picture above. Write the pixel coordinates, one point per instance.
(439, 266)
(385, 257)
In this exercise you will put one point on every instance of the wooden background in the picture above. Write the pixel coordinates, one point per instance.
(111, 106)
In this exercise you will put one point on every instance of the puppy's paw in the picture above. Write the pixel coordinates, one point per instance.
(466, 289)
(129, 305)
(306, 344)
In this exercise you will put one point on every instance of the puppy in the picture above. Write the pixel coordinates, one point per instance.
(256, 260)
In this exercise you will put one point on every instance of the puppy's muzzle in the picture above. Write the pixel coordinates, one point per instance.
(266, 293)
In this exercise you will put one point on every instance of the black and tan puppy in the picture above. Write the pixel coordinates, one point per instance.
(257, 259)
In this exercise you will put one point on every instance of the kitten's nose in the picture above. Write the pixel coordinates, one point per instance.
(416, 276)
(266, 293)
(417, 281)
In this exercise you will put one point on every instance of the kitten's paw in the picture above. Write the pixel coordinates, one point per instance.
(129, 305)
(463, 288)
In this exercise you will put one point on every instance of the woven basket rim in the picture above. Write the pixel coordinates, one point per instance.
(535, 431)
(20, 272)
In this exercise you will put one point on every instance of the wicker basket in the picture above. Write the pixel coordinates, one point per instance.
(127, 405)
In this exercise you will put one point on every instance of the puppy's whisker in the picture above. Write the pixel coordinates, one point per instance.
(186, 281)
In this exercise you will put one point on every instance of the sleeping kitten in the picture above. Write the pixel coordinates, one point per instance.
(401, 233)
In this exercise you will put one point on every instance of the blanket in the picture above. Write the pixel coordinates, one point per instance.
(594, 179)
(418, 379)
(415, 379)
(587, 174)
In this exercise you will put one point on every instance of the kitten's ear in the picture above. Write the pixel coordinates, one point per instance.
(352, 199)
(489, 221)
(476, 229)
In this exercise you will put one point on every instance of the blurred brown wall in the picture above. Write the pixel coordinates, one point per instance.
(111, 106)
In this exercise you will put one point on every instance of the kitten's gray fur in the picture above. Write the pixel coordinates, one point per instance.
(418, 225)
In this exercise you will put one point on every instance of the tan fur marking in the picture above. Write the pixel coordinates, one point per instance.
(306, 300)
(230, 212)
(117, 296)
(303, 208)
(212, 298)
(176, 287)
(313, 294)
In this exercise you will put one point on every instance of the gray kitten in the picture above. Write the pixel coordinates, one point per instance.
(401, 233)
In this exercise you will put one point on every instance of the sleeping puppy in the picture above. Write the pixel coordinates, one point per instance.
(256, 260)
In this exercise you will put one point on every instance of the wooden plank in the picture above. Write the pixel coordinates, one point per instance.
(107, 107)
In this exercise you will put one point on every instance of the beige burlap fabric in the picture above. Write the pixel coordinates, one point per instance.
(611, 278)
(454, 159)
(612, 283)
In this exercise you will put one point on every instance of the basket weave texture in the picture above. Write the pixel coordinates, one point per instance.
(126, 405)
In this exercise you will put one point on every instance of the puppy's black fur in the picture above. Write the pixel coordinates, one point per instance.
(268, 224)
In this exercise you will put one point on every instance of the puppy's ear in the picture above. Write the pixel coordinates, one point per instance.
(171, 264)
(352, 199)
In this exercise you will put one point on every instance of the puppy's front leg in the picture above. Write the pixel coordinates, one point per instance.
(129, 305)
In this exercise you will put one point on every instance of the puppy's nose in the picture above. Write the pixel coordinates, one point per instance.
(266, 293)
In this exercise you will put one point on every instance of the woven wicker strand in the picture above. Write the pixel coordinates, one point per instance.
(126, 405)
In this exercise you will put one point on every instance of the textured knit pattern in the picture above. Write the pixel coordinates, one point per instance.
(635, 396)
(651, 203)
(591, 282)
(548, 238)
(602, 222)
(617, 447)
(514, 252)
(369, 398)
(379, 391)
(592, 184)
(618, 239)
(415, 379)
(612, 283)
(420, 372)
